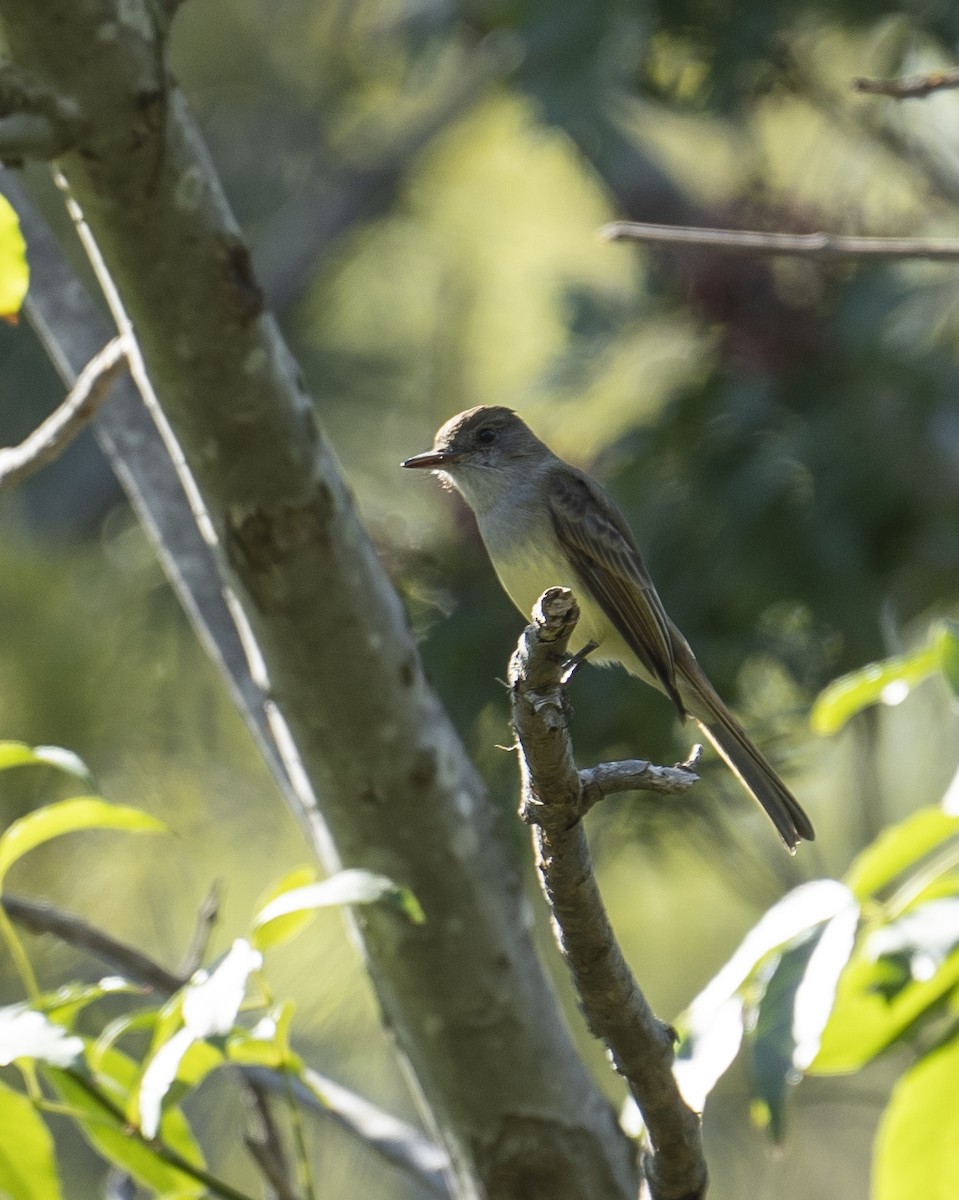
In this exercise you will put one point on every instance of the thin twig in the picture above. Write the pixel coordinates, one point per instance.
(49, 440)
(909, 87)
(811, 245)
(206, 918)
(640, 1046)
(268, 1150)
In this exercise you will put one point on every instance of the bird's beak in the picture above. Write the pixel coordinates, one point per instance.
(430, 460)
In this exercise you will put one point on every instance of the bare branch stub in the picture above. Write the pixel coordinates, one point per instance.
(909, 87)
(555, 797)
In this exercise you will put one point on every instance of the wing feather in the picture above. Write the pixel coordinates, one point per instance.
(601, 548)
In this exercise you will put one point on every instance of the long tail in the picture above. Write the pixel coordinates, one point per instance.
(745, 761)
(759, 779)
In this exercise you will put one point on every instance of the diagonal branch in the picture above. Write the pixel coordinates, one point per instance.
(40, 917)
(640, 1045)
(809, 245)
(49, 440)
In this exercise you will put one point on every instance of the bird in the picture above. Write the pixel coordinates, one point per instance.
(546, 523)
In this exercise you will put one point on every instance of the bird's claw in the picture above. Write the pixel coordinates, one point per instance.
(575, 661)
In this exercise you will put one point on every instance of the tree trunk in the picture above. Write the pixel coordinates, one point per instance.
(464, 994)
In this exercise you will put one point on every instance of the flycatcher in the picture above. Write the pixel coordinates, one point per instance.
(547, 524)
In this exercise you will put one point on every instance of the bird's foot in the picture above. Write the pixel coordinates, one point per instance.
(692, 758)
(575, 661)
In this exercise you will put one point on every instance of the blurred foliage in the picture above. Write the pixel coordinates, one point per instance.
(838, 975)
(421, 185)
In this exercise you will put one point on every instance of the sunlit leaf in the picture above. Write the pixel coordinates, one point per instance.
(184, 1061)
(801, 909)
(886, 682)
(25, 1033)
(14, 273)
(916, 1151)
(283, 929)
(346, 887)
(19, 754)
(816, 994)
(66, 1002)
(207, 1006)
(243, 1047)
(875, 1005)
(128, 1022)
(948, 647)
(158, 1079)
(70, 816)
(211, 1000)
(268, 1043)
(711, 1029)
(898, 848)
(924, 937)
(28, 1167)
(707, 1050)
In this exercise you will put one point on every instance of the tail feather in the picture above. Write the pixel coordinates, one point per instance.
(759, 779)
(733, 745)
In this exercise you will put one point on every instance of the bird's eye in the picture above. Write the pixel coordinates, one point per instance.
(486, 436)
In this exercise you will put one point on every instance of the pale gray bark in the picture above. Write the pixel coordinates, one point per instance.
(464, 993)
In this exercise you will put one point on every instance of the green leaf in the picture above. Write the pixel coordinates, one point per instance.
(886, 682)
(712, 1027)
(875, 1006)
(66, 1002)
(110, 1135)
(916, 1152)
(923, 938)
(19, 754)
(184, 1061)
(28, 1167)
(771, 1041)
(346, 887)
(284, 929)
(70, 816)
(128, 1022)
(898, 848)
(948, 647)
(268, 1045)
(14, 273)
(208, 1005)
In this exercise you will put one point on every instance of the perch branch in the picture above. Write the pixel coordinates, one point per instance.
(810, 245)
(49, 440)
(640, 1045)
(909, 87)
